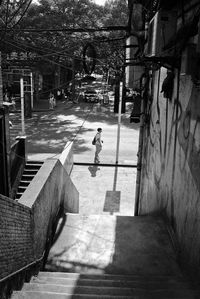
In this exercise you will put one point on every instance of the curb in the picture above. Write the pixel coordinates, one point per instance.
(107, 164)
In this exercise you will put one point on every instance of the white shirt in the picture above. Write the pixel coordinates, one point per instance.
(98, 139)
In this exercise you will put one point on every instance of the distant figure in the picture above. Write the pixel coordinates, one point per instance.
(98, 144)
(59, 94)
(52, 101)
(13, 103)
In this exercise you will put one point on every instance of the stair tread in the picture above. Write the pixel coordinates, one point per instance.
(137, 283)
(34, 162)
(49, 295)
(103, 289)
(57, 295)
(105, 275)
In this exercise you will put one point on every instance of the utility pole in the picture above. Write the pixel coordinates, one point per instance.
(119, 121)
(5, 181)
(22, 104)
(73, 79)
(1, 84)
(31, 78)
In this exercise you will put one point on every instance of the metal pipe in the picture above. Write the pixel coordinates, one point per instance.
(31, 75)
(140, 153)
(22, 269)
(119, 121)
(22, 104)
(139, 161)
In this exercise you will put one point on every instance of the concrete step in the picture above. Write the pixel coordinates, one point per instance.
(28, 171)
(74, 289)
(117, 277)
(33, 166)
(18, 195)
(25, 183)
(137, 295)
(108, 279)
(48, 295)
(32, 162)
(27, 177)
(21, 189)
(138, 282)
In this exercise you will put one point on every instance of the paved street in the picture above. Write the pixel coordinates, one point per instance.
(48, 132)
(102, 189)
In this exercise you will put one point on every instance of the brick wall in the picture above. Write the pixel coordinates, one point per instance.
(27, 226)
(16, 246)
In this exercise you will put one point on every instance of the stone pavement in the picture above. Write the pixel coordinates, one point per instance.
(103, 237)
(103, 189)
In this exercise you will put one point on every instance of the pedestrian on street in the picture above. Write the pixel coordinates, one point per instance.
(52, 101)
(98, 144)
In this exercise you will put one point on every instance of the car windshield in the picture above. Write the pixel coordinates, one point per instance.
(91, 91)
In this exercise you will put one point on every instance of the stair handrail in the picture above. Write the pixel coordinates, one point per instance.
(23, 268)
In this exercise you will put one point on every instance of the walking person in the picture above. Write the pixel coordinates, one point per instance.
(98, 144)
(52, 101)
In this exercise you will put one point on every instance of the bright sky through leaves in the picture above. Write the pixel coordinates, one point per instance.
(100, 2)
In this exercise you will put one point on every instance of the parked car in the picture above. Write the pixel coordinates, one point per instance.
(90, 95)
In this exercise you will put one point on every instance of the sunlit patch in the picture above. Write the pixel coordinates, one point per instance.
(62, 117)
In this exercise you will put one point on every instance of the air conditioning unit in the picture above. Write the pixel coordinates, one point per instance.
(162, 28)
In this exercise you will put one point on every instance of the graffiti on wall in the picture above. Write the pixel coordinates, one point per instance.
(172, 141)
(189, 135)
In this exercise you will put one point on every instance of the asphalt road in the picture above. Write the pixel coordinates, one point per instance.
(48, 132)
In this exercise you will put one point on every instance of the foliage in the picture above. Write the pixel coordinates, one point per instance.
(59, 47)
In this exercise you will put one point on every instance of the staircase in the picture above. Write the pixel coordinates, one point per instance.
(30, 170)
(73, 285)
(104, 256)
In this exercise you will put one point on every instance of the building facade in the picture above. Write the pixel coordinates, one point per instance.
(170, 120)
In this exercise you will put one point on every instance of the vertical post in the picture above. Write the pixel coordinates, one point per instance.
(73, 79)
(22, 104)
(1, 85)
(31, 90)
(5, 187)
(119, 121)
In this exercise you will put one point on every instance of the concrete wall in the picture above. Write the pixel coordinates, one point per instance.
(171, 162)
(26, 225)
(66, 157)
(50, 189)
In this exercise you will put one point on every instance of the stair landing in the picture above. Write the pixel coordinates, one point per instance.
(99, 244)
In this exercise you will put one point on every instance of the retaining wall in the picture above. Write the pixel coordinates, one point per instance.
(26, 225)
(171, 163)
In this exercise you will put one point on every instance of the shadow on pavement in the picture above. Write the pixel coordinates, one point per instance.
(93, 170)
(49, 131)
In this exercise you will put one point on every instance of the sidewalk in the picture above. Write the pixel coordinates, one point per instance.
(106, 188)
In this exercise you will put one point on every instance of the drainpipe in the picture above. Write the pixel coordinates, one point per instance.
(139, 154)
(1, 84)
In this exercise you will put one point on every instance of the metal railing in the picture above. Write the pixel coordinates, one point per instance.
(22, 269)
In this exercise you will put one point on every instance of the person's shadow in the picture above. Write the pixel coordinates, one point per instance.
(93, 170)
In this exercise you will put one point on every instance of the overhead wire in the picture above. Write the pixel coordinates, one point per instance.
(6, 21)
(18, 21)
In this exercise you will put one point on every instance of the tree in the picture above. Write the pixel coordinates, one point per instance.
(61, 47)
(115, 13)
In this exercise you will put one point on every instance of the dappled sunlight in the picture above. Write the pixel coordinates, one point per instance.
(62, 117)
(88, 247)
(68, 122)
